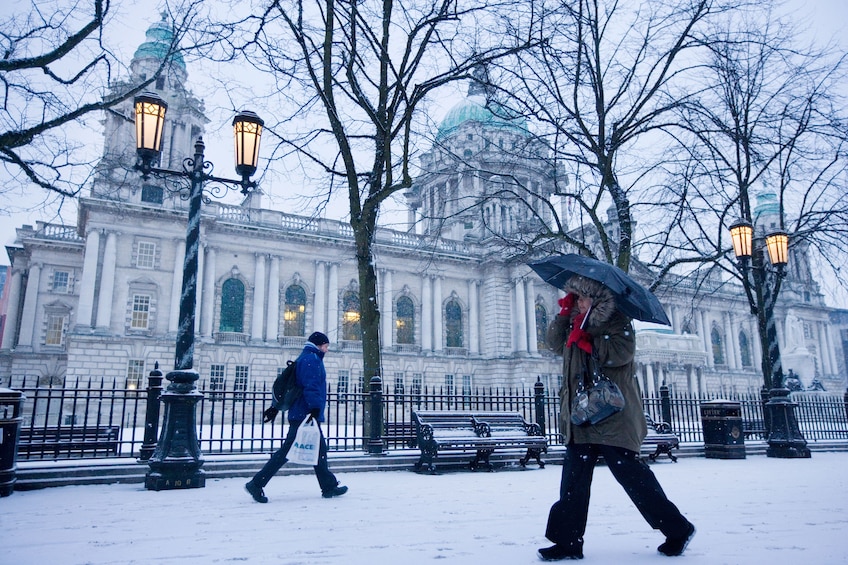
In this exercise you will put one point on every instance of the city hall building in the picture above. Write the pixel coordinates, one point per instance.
(101, 298)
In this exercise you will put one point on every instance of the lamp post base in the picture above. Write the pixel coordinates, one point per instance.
(176, 462)
(785, 440)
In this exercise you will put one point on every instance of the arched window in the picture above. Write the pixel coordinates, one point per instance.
(294, 315)
(745, 349)
(405, 321)
(232, 306)
(541, 326)
(351, 330)
(718, 347)
(453, 324)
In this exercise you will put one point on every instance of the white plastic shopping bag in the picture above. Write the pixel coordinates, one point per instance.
(307, 442)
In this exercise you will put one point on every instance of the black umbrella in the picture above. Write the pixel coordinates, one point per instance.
(631, 298)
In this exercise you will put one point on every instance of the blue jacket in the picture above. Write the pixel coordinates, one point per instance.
(312, 376)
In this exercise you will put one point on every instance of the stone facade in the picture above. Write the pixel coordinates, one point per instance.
(101, 299)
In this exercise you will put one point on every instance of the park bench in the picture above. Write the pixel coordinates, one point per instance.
(400, 434)
(753, 429)
(660, 438)
(439, 431)
(53, 440)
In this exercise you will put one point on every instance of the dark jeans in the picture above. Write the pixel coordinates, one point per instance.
(567, 518)
(326, 479)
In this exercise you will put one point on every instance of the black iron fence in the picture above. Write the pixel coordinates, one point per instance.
(94, 418)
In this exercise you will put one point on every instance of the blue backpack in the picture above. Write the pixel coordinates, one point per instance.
(286, 390)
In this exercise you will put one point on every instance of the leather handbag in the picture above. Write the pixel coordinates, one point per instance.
(597, 399)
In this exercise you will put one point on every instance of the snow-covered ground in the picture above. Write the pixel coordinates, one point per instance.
(752, 511)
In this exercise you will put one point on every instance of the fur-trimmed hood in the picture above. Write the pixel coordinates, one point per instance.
(603, 301)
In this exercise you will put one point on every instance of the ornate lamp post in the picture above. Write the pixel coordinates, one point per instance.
(176, 461)
(784, 437)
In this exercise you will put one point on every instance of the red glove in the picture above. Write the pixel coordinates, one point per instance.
(567, 302)
(580, 337)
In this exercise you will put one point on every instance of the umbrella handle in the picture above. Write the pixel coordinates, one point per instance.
(586, 317)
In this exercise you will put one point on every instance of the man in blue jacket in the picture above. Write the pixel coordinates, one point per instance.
(312, 376)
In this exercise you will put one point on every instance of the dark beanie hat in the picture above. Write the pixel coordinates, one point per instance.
(318, 339)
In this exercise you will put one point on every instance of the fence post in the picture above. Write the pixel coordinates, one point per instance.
(665, 403)
(151, 417)
(845, 402)
(539, 389)
(375, 442)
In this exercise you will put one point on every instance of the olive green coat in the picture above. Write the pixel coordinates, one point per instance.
(615, 343)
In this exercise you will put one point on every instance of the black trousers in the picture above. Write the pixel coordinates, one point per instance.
(326, 479)
(567, 518)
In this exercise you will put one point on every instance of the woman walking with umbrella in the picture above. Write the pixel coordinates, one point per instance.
(590, 323)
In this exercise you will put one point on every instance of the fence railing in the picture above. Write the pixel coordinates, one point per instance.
(57, 417)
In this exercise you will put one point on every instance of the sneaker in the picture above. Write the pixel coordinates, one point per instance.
(256, 492)
(559, 552)
(676, 546)
(336, 491)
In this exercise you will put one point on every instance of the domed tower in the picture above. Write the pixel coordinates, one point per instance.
(184, 123)
(799, 285)
(482, 176)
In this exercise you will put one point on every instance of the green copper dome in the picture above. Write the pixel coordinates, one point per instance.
(766, 204)
(468, 110)
(159, 38)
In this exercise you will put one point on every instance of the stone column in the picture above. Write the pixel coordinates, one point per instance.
(705, 335)
(10, 329)
(319, 318)
(89, 279)
(473, 317)
(530, 310)
(386, 315)
(107, 282)
(732, 361)
(438, 314)
(176, 288)
(258, 319)
(519, 322)
(207, 305)
(272, 322)
(30, 307)
(333, 304)
(426, 315)
(831, 347)
(650, 385)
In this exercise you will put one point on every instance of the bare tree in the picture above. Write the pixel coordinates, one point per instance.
(603, 90)
(55, 73)
(355, 76)
(768, 122)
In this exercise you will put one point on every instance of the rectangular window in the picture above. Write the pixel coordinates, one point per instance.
(55, 330)
(241, 378)
(146, 255)
(398, 383)
(216, 380)
(135, 373)
(466, 385)
(449, 385)
(140, 312)
(344, 382)
(417, 382)
(61, 282)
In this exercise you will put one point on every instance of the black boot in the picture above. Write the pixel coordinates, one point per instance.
(256, 492)
(676, 546)
(560, 552)
(335, 491)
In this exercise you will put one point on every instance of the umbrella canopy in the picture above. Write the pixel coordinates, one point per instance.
(631, 298)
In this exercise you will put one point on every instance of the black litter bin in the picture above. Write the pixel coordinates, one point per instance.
(10, 431)
(722, 422)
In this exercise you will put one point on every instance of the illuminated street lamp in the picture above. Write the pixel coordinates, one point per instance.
(762, 285)
(176, 461)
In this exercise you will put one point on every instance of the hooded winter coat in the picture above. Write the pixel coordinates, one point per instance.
(614, 341)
